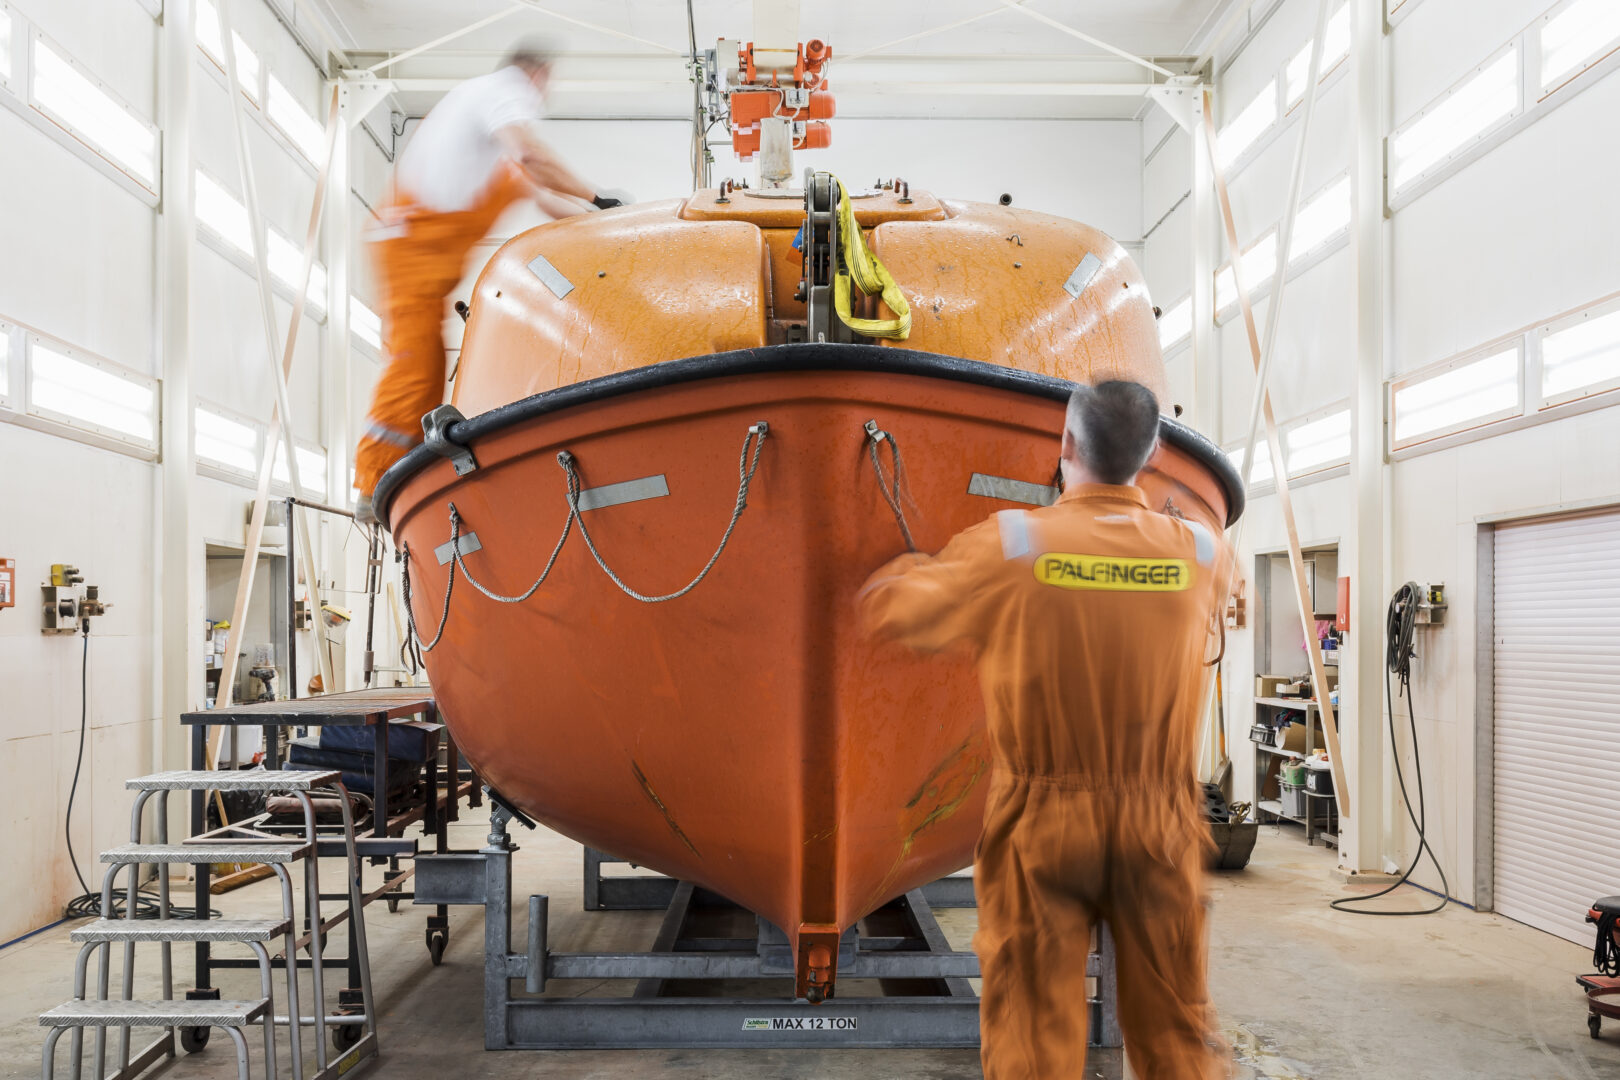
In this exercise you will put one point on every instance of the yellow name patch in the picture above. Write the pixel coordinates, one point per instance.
(1112, 572)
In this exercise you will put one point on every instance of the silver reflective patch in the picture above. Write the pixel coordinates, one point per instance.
(1082, 275)
(1001, 487)
(468, 542)
(551, 276)
(628, 491)
(1014, 533)
(1203, 543)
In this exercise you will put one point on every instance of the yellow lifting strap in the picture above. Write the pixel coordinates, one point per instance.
(870, 276)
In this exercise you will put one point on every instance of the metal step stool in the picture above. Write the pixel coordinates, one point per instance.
(194, 1017)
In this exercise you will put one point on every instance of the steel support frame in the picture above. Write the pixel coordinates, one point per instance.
(946, 1016)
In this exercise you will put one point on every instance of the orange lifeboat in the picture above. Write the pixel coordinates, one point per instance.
(641, 365)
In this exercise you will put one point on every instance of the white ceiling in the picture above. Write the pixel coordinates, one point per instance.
(629, 59)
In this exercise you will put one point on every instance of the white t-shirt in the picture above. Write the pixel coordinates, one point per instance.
(454, 154)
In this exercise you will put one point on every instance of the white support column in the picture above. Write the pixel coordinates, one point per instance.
(1206, 404)
(180, 585)
(335, 377)
(1365, 550)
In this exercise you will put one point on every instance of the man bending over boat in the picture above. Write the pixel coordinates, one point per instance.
(475, 154)
(1090, 620)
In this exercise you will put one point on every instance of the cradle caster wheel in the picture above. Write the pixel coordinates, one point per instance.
(436, 942)
(193, 1039)
(1594, 1025)
(346, 1036)
(393, 905)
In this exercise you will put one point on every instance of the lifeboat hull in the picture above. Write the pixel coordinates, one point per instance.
(744, 736)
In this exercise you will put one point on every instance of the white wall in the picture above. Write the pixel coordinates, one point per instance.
(84, 267)
(1515, 237)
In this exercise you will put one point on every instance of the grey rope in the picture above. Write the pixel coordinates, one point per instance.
(746, 467)
(745, 476)
(891, 492)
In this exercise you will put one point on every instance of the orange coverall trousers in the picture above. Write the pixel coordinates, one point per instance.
(420, 256)
(1090, 620)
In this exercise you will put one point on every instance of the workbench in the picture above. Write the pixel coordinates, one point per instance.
(383, 842)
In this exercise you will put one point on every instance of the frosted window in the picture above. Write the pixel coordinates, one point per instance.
(1582, 356)
(1335, 47)
(222, 440)
(311, 467)
(1318, 444)
(1259, 264)
(93, 116)
(1176, 323)
(5, 360)
(1262, 461)
(218, 211)
(247, 61)
(1249, 125)
(367, 326)
(1463, 116)
(300, 128)
(1575, 37)
(91, 395)
(1320, 219)
(1465, 396)
(5, 45)
(287, 266)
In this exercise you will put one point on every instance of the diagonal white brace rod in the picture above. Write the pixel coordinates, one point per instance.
(446, 38)
(1262, 396)
(1014, 5)
(600, 29)
(281, 416)
(930, 32)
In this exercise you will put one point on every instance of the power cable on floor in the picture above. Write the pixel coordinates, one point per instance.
(1401, 627)
(87, 905)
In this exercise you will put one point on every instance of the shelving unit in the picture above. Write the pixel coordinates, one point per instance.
(1267, 768)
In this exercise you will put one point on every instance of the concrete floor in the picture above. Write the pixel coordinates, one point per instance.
(1303, 991)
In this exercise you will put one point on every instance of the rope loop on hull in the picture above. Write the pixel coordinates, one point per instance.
(747, 466)
(892, 491)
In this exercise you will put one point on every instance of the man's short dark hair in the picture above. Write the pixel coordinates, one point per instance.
(531, 54)
(1115, 426)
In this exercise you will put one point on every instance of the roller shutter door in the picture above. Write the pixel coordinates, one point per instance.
(1557, 717)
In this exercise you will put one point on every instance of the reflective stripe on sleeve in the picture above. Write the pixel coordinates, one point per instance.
(1203, 543)
(385, 434)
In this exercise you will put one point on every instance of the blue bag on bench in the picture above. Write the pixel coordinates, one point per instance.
(408, 740)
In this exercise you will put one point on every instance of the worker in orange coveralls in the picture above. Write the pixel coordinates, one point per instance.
(474, 155)
(1090, 620)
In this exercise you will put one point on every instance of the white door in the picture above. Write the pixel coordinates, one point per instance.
(1557, 684)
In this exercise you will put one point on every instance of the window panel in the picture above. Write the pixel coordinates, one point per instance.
(1462, 116)
(5, 44)
(93, 116)
(311, 467)
(1259, 264)
(1318, 444)
(1581, 356)
(1175, 323)
(287, 265)
(1576, 37)
(367, 326)
(302, 129)
(1463, 396)
(220, 212)
(208, 40)
(1262, 471)
(226, 441)
(1335, 47)
(91, 394)
(5, 363)
(1326, 215)
(1248, 125)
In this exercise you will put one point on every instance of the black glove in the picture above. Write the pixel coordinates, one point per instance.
(606, 202)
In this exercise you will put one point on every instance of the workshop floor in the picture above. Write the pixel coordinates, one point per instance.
(1302, 991)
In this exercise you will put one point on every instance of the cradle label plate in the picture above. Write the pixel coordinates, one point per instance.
(801, 1023)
